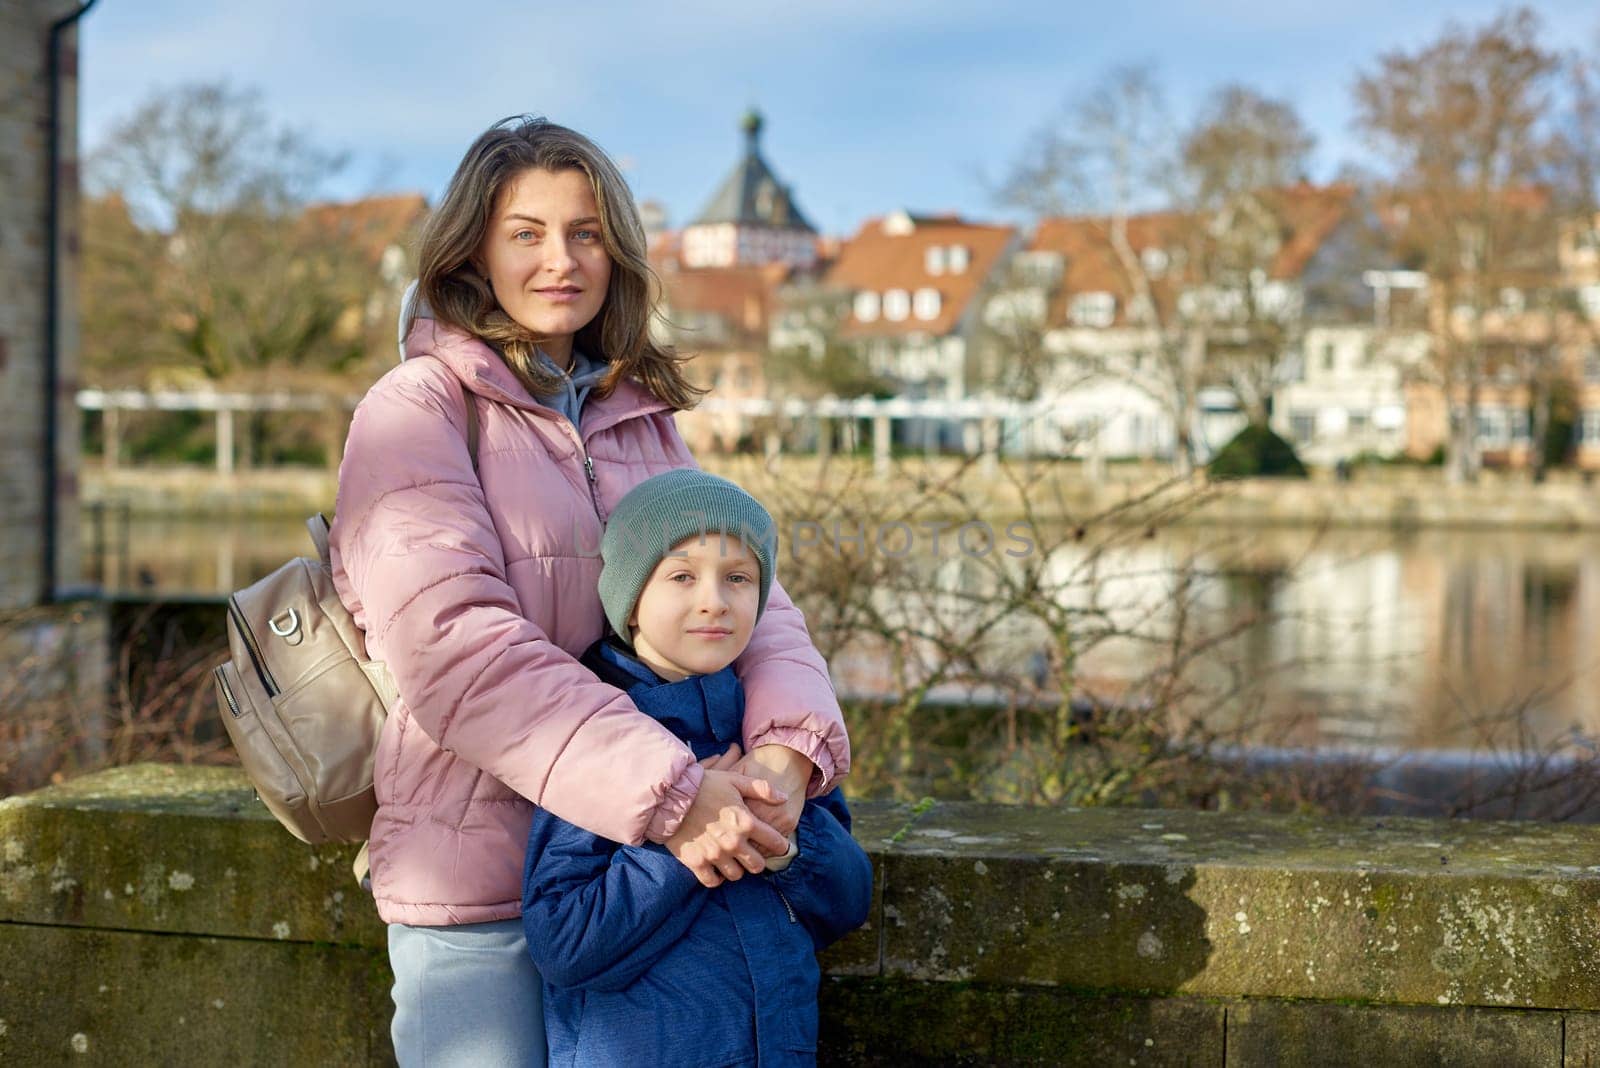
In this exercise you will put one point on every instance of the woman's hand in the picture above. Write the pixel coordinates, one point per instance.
(790, 772)
(720, 839)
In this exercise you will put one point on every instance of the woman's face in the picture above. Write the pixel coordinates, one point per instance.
(544, 256)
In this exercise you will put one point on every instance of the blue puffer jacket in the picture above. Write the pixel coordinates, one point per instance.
(644, 966)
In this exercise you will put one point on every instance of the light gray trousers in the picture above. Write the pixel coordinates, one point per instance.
(466, 996)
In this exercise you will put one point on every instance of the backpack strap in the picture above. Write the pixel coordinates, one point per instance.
(472, 425)
(318, 526)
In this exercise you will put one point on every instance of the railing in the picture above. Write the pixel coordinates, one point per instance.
(983, 427)
(112, 402)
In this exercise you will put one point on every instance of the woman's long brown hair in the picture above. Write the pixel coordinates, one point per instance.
(460, 296)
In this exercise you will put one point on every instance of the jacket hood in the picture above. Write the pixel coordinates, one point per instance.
(480, 367)
(482, 370)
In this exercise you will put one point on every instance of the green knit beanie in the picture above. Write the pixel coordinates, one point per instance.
(660, 512)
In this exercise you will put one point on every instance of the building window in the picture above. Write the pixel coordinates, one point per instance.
(956, 258)
(1302, 426)
(1591, 366)
(1512, 300)
(1492, 426)
(867, 306)
(1519, 426)
(1356, 421)
(1093, 309)
(1330, 353)
(1038, 268)
(926, 304)
(933, 259)
(896, 305)
(1589, 301)
(1589, 428)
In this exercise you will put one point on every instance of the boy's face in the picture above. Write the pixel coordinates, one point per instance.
(698, 607)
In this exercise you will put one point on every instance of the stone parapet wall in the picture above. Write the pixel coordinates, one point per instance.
(158, 914)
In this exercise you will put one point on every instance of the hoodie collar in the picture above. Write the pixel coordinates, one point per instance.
(700, 706)
(485, 373)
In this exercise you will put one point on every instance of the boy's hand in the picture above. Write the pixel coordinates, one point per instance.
(723, 761)
(790, 772)
(719, 839)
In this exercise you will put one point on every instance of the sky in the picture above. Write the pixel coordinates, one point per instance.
(870, 105)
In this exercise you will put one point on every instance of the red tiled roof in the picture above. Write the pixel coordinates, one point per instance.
(879, 261)
(1308, 215)
(375, 223)
(744, 297)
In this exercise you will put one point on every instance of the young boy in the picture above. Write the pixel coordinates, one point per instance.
(642, 964)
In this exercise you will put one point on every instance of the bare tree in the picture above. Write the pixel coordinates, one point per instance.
(1243, 161)
(1203, 303)
(1463, 123)
(807, 354)
(1112, 153)
(215, 252)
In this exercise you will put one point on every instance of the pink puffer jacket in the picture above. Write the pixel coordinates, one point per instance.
(480, 594)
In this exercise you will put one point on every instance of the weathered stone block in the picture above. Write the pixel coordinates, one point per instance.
(876, 826)
(189, 850)
(1290, 1034)
(76, 996)
(177, 850)
(1580, 1036)
(1407, 911)
(890, 1022)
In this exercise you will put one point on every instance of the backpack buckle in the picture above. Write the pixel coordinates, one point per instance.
(288, 629)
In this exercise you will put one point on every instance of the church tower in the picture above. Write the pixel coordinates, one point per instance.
(753, 219)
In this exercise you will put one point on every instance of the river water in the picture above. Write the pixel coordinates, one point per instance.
(1367, 639)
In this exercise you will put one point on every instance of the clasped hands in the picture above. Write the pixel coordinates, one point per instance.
(747, 807)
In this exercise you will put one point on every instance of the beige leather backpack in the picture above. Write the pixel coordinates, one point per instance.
(300, 699)
(302, 702)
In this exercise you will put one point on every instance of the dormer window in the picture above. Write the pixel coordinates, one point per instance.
(926, 304)
(933, 259)
(898, 224)
(957, 257)
(866, 306)
(1093, 309)
(1589, 300)
(896, 305)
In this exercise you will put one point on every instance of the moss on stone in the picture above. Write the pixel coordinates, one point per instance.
(174, 849)
(880, 1023)
(1336, 1036)
(71, 995)
(1111, 900)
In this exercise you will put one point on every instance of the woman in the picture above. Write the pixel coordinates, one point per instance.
(478, 589)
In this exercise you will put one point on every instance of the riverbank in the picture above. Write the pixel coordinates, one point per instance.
(1394, 498)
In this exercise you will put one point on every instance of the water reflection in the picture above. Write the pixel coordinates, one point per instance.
(1371, 638)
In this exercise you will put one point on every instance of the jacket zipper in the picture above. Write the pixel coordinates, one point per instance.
(594, 491)
(252, 648)
(786, 906)
(227, 692)
(577, 437)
